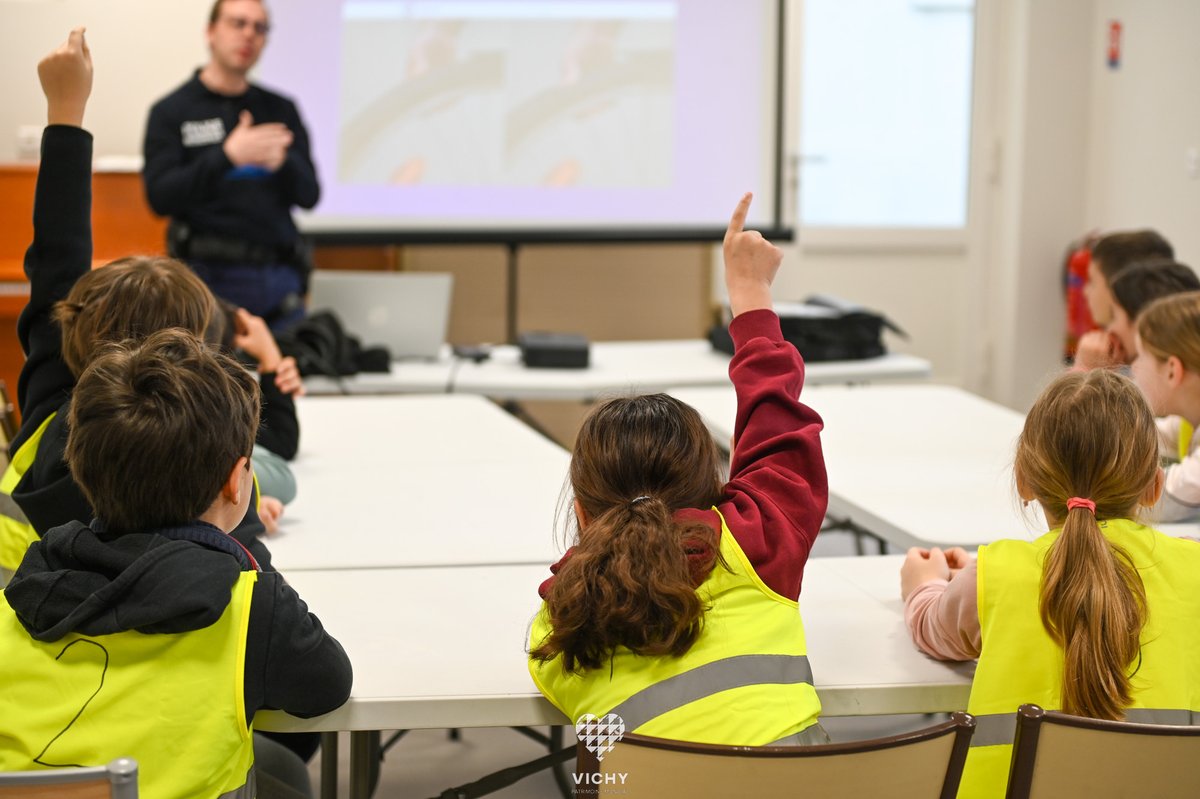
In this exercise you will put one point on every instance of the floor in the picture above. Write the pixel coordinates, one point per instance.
(427, 762)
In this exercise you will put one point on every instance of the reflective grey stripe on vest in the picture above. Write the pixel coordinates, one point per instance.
(247, 790)
(994, 729)
(999, 729)
(1177, 718)
(720, 675)
(810, 736)
(10, 508)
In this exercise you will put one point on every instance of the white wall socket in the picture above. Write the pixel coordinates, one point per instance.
(29, 142)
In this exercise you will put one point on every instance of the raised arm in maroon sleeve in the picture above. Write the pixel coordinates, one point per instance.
(776, 496)
(777, 492)
(775, 500)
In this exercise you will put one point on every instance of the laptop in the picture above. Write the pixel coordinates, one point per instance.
(407, 312)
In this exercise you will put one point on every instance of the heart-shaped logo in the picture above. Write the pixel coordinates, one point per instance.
(600, 735)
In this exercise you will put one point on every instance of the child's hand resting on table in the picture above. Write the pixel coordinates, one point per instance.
(926, 565)
(269, 512)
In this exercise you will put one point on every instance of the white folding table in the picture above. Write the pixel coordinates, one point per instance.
(616, 367)
(915, 465)
(445, 647)
(407, 481)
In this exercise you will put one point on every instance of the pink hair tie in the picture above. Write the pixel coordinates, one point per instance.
(1080, 502)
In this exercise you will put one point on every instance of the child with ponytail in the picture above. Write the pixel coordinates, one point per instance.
(1093, 618)
(676, 609)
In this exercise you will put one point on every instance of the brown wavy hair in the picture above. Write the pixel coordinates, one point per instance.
(1091, 435)
(130, 298)
(630, 578)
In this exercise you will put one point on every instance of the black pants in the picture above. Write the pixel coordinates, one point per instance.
(281, 773)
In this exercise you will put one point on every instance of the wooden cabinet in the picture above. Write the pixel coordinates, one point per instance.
(122, 223)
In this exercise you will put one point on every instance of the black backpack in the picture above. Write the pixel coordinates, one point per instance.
(321, 346)
(825, 328)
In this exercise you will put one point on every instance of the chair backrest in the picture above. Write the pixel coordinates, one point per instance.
(924, 764)
(117, 780)
(1059, 755)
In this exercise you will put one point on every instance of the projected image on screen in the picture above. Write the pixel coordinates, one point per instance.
(507, 118)
(522, 96)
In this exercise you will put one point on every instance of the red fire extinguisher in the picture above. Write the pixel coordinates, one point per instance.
(1079, 317)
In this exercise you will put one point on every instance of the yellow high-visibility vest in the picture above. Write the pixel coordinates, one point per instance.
(16, 533)
(1021, 663)
(175, 702)
(746, 680)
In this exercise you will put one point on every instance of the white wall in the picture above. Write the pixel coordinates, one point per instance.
(918, 290)
(1037, 204)
(141, 49)
(1143, 117)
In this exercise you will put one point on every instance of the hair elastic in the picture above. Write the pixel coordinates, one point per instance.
(636, 500)
(1080, 502)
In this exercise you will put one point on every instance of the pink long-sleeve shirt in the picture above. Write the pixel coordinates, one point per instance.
(943, 616)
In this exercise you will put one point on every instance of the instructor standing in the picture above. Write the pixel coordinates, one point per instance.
(227, 160)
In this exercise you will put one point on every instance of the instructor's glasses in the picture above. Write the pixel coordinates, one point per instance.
(240, 23)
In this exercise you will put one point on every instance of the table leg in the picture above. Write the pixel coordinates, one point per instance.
(364, 763)
(329, 765)
(559, 770)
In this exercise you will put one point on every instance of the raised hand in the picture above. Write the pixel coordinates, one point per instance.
(66, 77)
(751, 263)
(264, 145)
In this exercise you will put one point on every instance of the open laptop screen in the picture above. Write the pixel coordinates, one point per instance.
(407, 312)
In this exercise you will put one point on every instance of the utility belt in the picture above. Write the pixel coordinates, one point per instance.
(191, 245)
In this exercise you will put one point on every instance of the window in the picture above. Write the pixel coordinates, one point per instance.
(885, 113)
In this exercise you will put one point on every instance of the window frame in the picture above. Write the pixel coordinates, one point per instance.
(867, 238)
